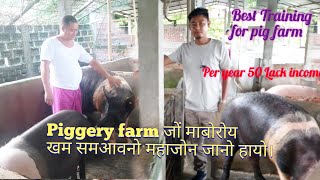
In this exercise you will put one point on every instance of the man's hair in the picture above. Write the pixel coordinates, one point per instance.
(199, 12)
(68, 19)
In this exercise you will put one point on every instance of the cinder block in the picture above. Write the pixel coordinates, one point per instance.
(38, 43)
(80, 39)
(1, 64)
(53, 33)
(18, 53)
(38, 28)
(34, 36)
(13, 61)
(2, 46)
(4, 37)
(11, 45)
(7, 54)
(47, 27)
(84, 33)
(10, 29)
(44, 35)
(16, 36)
(35, 51)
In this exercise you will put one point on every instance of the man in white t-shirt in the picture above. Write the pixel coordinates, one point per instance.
(61, 73)
(204, 95)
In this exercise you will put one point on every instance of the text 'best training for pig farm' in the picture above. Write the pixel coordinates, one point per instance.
(85, 136)
(268, 15)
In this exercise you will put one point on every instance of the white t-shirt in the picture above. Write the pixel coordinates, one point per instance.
(65, 71)
(202, 93)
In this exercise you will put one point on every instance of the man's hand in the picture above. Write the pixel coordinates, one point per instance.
(48, 98)
(221, 105)
(114, 82)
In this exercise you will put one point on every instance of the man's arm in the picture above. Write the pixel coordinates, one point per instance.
(45, 76)
(167, 60)
(224, 92)
(224, 89)
(98, 68)
(225, 64)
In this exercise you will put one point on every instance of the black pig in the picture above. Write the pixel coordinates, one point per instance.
(28, 155)
(114, 104)
(293, 134)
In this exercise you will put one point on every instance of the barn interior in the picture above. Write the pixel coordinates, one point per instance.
(130, 38)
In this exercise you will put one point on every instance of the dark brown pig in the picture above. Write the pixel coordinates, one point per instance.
(292, 133)
(114, 104)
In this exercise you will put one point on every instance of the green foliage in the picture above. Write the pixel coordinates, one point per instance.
(123, 21)
(250, 4)
(47, 13)
(216, 30)
(171, 83)
(181, 18)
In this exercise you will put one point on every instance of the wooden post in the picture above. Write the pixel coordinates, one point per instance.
(109, 29)
(135, 24)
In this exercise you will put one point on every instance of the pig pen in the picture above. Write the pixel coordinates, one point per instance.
(22, 105)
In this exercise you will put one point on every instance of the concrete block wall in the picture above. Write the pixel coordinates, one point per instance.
(15, 62)
(10, 45)
(13, 73)
(85, 36)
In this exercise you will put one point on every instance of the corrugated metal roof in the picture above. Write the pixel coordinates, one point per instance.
(124, 7)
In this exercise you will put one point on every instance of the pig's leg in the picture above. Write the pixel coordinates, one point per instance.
(128, 140)
(229, 159)
(254, 160)
(82, 168)
(113, 138)
(74, 175)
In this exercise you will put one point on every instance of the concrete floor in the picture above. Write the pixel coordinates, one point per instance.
(138, 167)
(132, 167)
(118, 166)
(234, 175)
